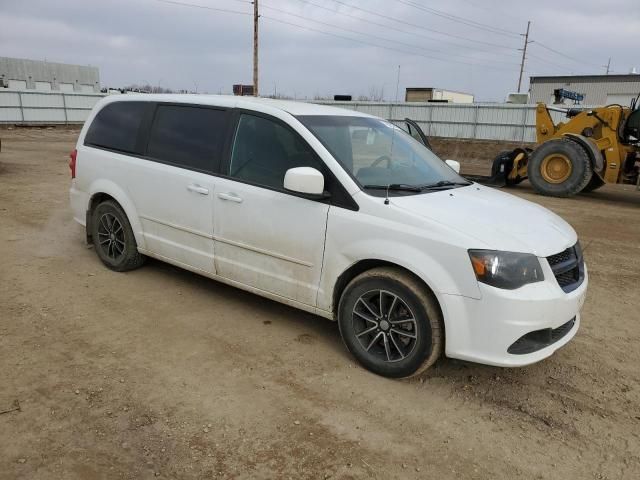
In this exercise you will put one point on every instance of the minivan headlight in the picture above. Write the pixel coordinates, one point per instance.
(508, 270)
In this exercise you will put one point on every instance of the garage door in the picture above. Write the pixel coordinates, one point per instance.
(18, 84)
(43, 86)
(623, 99)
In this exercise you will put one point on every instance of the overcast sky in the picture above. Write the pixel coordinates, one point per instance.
(149, 41)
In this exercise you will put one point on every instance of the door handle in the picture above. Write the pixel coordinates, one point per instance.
(198, 189)
(232, 197)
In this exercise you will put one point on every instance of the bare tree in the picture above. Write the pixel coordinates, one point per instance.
(376, 94)
(146, 88)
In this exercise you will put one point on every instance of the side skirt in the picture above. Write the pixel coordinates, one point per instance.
(242, 286)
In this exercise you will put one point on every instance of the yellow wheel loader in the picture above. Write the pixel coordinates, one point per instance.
(593, 147)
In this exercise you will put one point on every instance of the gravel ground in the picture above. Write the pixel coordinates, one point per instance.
(160, 373)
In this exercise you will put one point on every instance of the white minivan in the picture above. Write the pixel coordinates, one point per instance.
(334, 212)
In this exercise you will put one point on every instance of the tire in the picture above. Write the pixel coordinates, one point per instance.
(567, 152)
(595, 183)
(413, 345)
(113, 238)
(507, 158)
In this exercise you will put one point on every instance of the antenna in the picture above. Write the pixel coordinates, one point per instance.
(393, 132)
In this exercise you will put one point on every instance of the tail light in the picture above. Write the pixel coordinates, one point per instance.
(72, 162)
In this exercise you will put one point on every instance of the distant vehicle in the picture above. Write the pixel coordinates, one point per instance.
(334, 212)
(518, 98)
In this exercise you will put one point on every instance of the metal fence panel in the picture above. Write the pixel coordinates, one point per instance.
(10, 115)
(77, 116)
(43, 115)
(45, 107)
(513, 123)
(41, 100)
(506, 122)
(9, 98)
(79, 100)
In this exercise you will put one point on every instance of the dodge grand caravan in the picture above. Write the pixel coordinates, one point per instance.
(334, 212)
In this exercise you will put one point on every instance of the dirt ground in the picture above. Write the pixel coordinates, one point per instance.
(160, 373)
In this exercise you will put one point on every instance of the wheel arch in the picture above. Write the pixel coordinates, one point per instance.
(102, 190)
(365, 265)
(597, 160)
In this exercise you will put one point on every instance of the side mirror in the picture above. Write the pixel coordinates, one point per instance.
(454, 164)
(305, 180)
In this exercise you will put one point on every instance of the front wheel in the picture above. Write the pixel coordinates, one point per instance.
(391, 323)
(559, 168)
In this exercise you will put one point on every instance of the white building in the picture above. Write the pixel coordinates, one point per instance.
(597, 89)
(23, 74)
(436, 95)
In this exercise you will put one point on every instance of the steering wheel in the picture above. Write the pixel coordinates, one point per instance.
(381, 159)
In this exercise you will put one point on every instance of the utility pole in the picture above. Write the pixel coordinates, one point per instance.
(255, 47)
(524, 55)
(608, 66)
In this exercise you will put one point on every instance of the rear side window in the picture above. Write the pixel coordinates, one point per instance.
(116, 126)
(186, 136)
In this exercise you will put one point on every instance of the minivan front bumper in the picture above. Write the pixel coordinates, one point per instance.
(510, 328)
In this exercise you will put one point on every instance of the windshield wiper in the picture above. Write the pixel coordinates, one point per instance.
(443, 183)
(402, 187)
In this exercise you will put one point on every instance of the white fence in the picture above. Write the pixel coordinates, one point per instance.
(24, 107)
(508, 122)
(514, 123)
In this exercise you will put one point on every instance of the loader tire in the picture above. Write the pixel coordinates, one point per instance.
(559, 168)
(595, 183)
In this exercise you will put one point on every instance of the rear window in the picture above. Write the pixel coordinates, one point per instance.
(186, 136)
(116, 126)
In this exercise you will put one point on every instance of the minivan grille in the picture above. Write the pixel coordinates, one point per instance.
(568, 267)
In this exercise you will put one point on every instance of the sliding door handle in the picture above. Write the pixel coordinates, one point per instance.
(231, 197)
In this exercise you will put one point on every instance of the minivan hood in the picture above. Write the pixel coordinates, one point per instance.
(493, 219)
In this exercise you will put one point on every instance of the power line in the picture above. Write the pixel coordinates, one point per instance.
(185, 4)
(204, 7)
(410, 45)
(403, 22)
(479, 65)
(563, 68)
(557, 52)
(458, 19)
(565, 55)
(493, 10)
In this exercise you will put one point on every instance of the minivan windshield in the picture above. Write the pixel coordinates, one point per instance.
(381, 156)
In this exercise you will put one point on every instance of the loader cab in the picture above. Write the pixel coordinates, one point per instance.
(631, 131)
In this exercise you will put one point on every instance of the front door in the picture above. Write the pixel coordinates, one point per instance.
(416, 132)
(265, 237)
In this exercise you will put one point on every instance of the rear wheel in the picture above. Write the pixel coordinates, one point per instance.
(113, 238)
(559, 168)
(391, 323)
